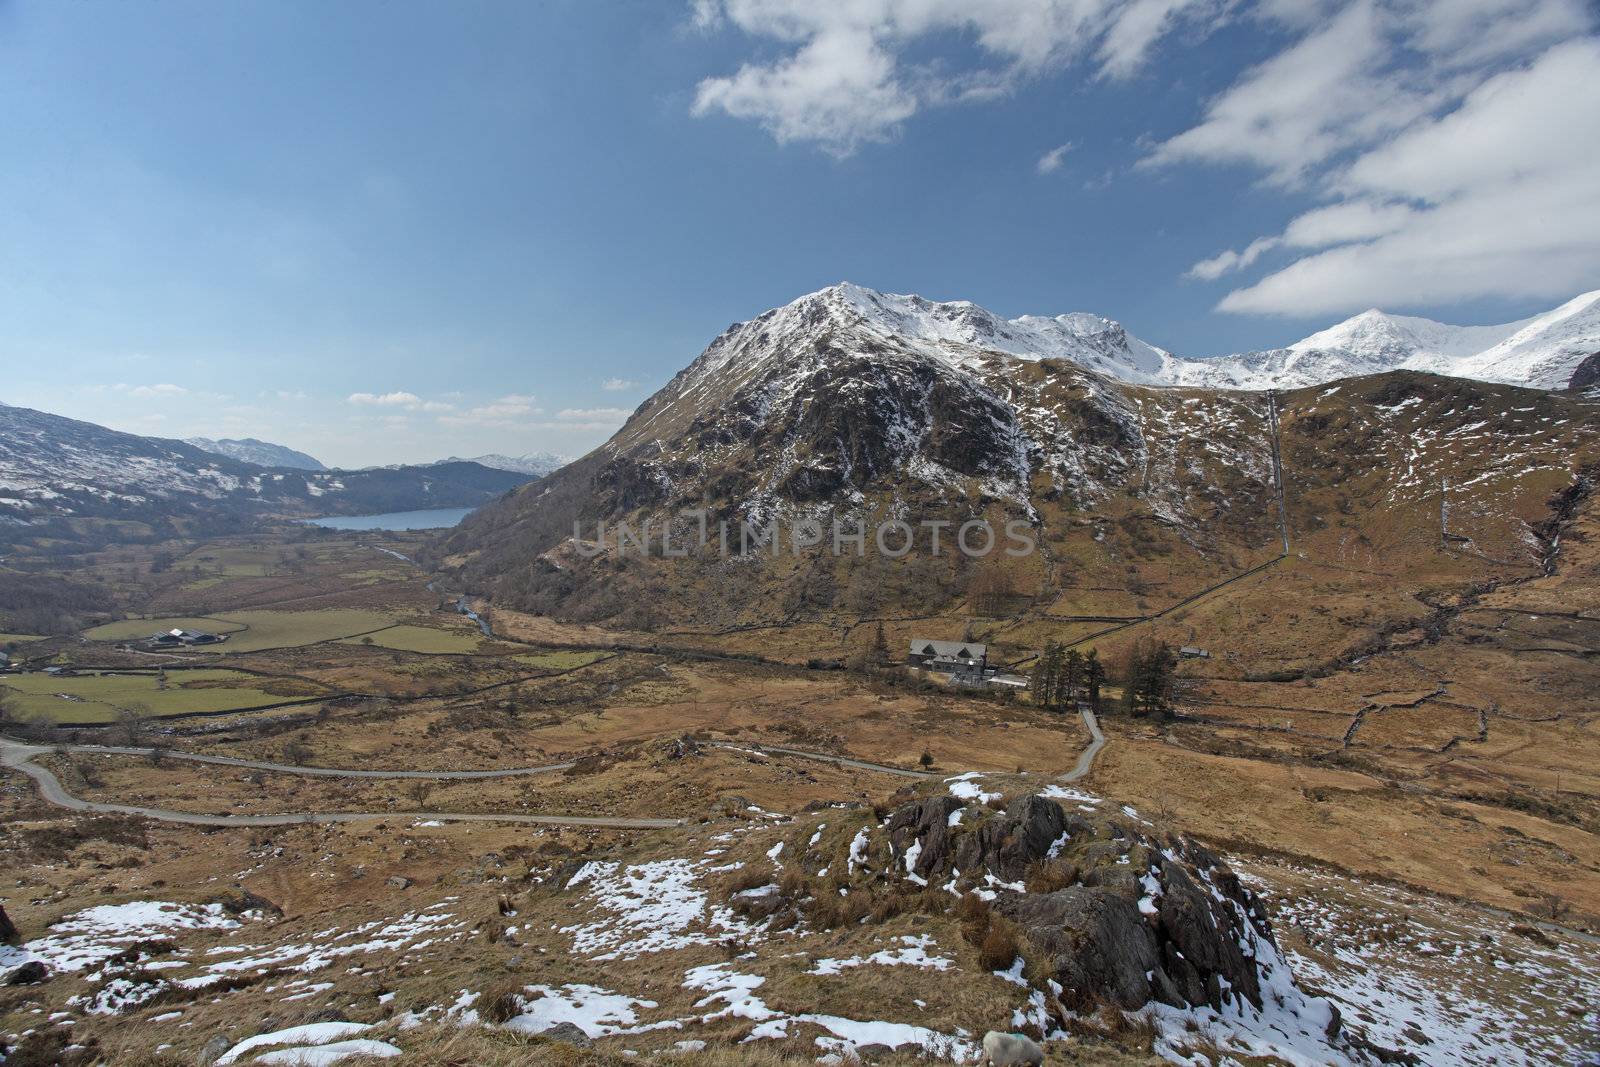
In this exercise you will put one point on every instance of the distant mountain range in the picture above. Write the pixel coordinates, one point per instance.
(535, 463)
(261, 453)
(60, 476)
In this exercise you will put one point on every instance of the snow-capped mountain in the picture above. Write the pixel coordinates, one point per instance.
(261, 453)
(536, 463)
(1541, 351)
(849, 401)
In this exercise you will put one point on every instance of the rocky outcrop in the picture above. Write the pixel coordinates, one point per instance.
(8, 929)
(1109, 909)
(1585, 375)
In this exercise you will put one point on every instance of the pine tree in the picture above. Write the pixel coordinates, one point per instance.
(878, 654)
(1071, 676)
(1149, 683)
(1094, 673)
(1046, 680)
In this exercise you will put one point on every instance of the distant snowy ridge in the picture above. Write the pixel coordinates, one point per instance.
(1541, 351)
(261, 453)
(536, 463)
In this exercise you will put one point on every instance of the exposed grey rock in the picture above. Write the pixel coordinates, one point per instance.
(1585, 375)
(926, 821)
(31, 973)
(212, 1050)
(398, 882)
(567, 1034)
(1136, 918)
(1009, 844)
(1093, 939)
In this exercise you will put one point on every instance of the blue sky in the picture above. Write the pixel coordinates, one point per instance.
(394, 231)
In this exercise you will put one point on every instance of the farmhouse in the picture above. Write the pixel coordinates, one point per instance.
(175, 638)
(1193, 652)
(957, 657)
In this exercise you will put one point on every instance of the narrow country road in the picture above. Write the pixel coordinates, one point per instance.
(312, 772)
(1086, 758)
(824, 757)
(17, 756)
(1097, 741)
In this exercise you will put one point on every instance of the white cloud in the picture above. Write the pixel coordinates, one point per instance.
(512, 410)
(385, 399)
(505, 407)
(1229, 260)
(149, 392)
(1050, 162)
(1352, 220)
(616, 416)
(617, 385)
(1455, 146)
(1510, 202)
(1370, 70)
(400, 399)
(844, 77)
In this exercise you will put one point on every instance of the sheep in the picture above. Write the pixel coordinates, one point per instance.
(1010, 1050)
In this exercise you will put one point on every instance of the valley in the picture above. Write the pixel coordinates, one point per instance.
(1416, 778)
(513, 792)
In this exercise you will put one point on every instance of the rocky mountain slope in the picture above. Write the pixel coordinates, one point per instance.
(847, 403)
(55, 471)
(261, 453)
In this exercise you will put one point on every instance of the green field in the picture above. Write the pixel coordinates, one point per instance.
(252, 631)
(233, 561)
(96, 698)
(404, 638)
(6, 639)
(139, 629)
(561, 661)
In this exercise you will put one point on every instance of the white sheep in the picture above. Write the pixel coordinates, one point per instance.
(1010, 1050)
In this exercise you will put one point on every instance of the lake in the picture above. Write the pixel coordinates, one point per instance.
(436, 519)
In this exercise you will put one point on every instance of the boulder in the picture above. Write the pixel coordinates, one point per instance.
(212, 1050)
(8, 929)
(397, 881)
(31, 973)
(568, 1034)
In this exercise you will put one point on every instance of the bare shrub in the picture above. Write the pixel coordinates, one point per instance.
(1000, 947)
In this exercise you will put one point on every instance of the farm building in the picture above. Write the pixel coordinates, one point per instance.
(176, 638)
(1192, 652)
(958, 657)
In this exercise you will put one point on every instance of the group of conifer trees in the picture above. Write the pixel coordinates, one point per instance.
(1064, 676)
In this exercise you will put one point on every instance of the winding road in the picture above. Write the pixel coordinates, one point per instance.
(18, 756)
(1086, 758)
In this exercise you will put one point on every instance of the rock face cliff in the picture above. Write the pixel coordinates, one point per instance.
(1119, 914)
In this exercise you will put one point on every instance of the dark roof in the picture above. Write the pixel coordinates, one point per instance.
(949, 649)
